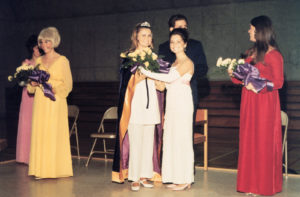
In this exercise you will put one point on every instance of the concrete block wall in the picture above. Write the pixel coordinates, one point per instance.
(93, 43)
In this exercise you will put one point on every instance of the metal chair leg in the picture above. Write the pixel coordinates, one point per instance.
(91, 153)
(77, 143)
(286, 161)
(205, 147)
(104, 148)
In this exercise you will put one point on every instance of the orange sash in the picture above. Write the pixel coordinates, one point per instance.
(124, 121)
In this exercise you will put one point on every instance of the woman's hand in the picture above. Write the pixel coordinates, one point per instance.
(34, 84)
(142, 70)
(159, 85)
(250, 87)
(140, 76)
(230, 71)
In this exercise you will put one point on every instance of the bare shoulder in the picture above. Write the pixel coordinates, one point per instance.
(186, 66)
(188, 63)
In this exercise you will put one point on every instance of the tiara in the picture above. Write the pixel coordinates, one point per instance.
(145, 24)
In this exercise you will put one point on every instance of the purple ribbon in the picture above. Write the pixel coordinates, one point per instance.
(250, 74)
(41, 77)
(164, 66)
(135, 67)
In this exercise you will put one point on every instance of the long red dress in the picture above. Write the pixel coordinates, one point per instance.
(260, 145)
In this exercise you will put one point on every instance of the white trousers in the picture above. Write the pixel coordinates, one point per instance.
(140, 151)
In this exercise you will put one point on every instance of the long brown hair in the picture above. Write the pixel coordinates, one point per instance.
(264, 36)
(135, 31)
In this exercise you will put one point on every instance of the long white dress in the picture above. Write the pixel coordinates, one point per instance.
(178, 153)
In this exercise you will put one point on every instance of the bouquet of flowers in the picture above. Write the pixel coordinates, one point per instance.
(23, 72)
(28, 72)
(229, 64)
(145, 58)
(245, 72)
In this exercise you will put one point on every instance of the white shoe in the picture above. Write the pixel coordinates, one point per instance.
(170, 186)
(250, 194)
(181, 187)
(135, 187)
(146, 184)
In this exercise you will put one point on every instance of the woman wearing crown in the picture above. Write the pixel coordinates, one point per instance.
(138, 142)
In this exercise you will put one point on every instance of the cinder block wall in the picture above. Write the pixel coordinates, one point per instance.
(93, 43)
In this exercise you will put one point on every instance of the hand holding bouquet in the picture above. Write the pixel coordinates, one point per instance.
(145, 58)
(27, 73)
(41, 77)
(245, 72)
(228, 64)
(148, 60)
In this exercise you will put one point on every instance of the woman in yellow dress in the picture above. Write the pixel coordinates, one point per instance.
(50, 154)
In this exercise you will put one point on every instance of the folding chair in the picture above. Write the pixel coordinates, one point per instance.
(110, 114)
(202, 119)
(73, 112)
(284, 122)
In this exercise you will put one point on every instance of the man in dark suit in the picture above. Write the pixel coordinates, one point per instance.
(194, 51)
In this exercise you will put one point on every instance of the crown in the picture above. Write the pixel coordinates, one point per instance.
(145, 24)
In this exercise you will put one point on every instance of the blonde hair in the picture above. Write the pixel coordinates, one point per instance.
(135, 31)
(50, 33)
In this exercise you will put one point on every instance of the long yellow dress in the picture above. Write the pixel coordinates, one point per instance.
(50, 154)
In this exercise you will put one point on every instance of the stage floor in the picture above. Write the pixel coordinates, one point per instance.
(95, 181)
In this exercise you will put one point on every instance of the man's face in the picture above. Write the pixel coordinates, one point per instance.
(179, 24)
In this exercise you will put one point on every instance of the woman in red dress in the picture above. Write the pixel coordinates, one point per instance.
(260, 145)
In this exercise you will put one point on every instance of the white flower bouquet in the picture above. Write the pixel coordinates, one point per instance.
(23, 72)
(145, 58)
(245, 72)
(229, 64)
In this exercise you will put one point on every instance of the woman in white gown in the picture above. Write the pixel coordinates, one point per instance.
(178, 154)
